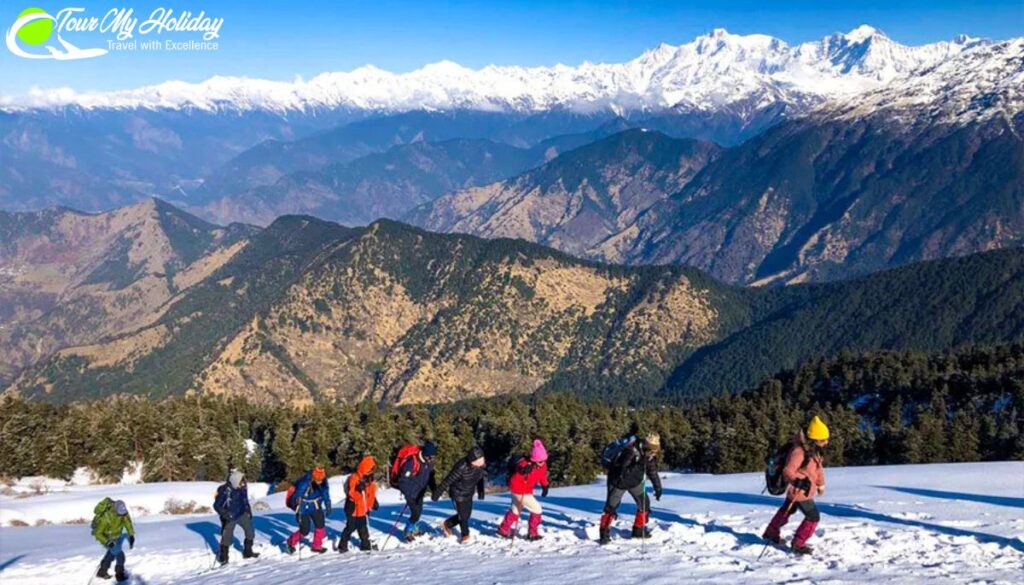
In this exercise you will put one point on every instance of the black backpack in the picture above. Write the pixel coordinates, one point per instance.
(614, 449)
(774, 464)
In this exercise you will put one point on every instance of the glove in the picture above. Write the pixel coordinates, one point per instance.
(544, 491)
(328, 510)
(110, 545)
(361, 486)
(803, 485)
(131, 541)
(657, 495)
(480, 495)
(376, 505)
(434, 496)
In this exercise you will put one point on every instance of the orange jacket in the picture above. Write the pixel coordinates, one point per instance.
(795, 469)
(361, 489)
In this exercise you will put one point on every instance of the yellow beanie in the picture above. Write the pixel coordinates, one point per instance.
(817, 431)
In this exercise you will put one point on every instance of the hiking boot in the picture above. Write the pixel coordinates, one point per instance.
(320, 550)
(367, 547)
(465, 539)
(534, 537)
(606, 536)
(342, 546)
(444, 527)
(122, 576)
(222, 555)
(772, 538)
(247, 552)
(103, 573)
(641, 532)
(802, 549)
(409, 536)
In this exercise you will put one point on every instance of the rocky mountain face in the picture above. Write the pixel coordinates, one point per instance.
(69, 278)
(307, 310)
(579, 199)
(931, 166)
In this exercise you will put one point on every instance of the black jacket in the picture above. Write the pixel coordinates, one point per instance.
(628, 469)
(464, 479)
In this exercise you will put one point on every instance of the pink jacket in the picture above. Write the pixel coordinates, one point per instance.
(795, 469)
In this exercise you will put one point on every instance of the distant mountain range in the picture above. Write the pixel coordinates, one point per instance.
(307, 310)
(206, 146)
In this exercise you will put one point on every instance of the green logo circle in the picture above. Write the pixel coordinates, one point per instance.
(37, 31)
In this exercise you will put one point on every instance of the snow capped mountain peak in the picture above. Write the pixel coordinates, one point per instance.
(715, 70)
(864, 33)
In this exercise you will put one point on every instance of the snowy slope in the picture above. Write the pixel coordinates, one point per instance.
(713, 71)
(957, 523)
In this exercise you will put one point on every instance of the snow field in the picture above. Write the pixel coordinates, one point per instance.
(956, 523)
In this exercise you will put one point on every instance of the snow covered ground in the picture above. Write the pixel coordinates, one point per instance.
(958, 523)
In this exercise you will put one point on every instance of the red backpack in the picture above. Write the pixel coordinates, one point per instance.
(403, 455)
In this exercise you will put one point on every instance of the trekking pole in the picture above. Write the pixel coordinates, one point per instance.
(644, 502)
(393, 526)
(92, 577)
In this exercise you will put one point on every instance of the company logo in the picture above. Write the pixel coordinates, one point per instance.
(36, 34)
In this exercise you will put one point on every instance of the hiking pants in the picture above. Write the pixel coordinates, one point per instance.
(463, 511)
(416, 507)
(356, 524)
(643, 503)
(227, 533)
(317, 518)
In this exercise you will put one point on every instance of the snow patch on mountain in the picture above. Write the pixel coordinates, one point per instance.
(713, 71)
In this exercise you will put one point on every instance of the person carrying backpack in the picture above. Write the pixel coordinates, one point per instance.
(627, 468)
(361, 497)
(804, 474)
(312, 504)
(528, 473)
(468, 475)
(232, 505)
(413, 474)
(111, 526)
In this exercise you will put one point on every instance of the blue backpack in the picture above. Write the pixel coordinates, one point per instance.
(614, 449)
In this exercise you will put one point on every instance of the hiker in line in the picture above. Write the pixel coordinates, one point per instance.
(112, 526)
(361, 497)
(312, 504)
(528, 472)
(413, 474)
(631, 460)
(804, 473)
(232, 505)
(467, 476)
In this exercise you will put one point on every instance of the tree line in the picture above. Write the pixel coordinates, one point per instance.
(882, 408)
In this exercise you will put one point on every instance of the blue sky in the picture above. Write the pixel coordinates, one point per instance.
(282, 39)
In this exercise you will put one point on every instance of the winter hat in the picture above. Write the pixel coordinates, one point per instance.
(235, 478)
(121, 508)
(475, 453)
(429, 449)
(538, 454)
(319, 474)
(817, 431)
(653, 442)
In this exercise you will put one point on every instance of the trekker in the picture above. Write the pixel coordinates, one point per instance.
(111, 526)
(528, 473)
(415, 467)
(467, 476)
(312, 504)
(626, 473)
(804, 473)
(232, 505)
(361, 497)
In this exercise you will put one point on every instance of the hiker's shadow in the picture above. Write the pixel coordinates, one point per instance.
(849, 511)
(944, 495)
(210, 531)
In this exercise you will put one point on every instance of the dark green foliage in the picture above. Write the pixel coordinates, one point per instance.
(882, 408)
